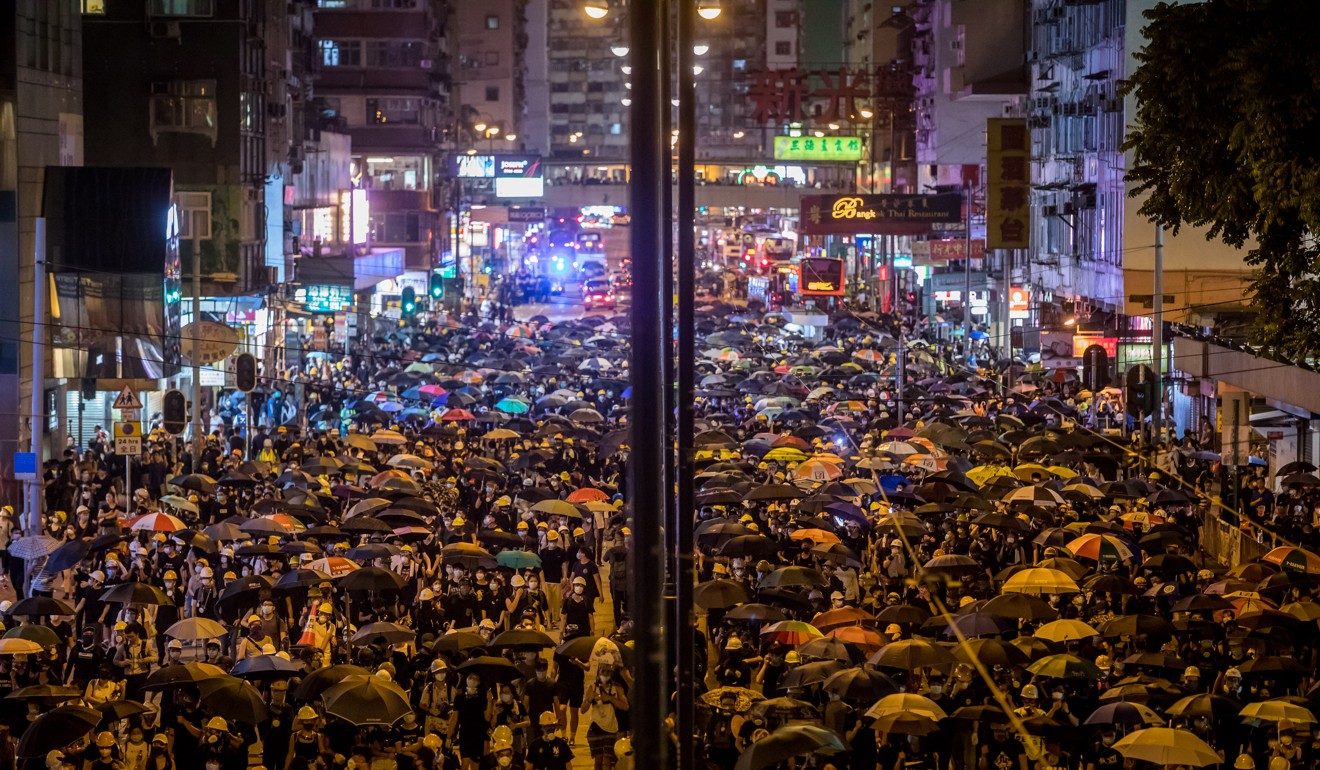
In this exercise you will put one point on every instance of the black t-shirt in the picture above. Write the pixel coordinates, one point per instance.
(587, 572)
(1104, 758)
(552, 564)
(577, 612)
(1004, 755)
(550, 754)
(463, 611)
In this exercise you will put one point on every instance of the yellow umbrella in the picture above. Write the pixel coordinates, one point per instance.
(1065, 631)
(1039, 581)
(1275, 710)
(1062, 472)
(906, 703)
(1167, 746)
(17, 646)
(785, 454)
(1025, 471)
(982, 475)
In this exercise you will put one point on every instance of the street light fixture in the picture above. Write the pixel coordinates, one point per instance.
(480, 128)
(697, 69)
(619, 50)
(700, 49)
(596, 9)
(708, 9)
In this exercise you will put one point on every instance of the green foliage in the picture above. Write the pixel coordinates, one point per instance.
(1227, 136)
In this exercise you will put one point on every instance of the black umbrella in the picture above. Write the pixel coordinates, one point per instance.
(371, 579)
(57, 729)
(40, 605)
(323, 679)
(66, 556)
(136, 593)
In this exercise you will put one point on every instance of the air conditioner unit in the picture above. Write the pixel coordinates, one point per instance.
(164, 30)
(1049, 211)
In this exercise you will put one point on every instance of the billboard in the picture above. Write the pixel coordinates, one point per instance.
(889, 214)
(821, 277)
(828, 148)
(496, 166)
(519, 188)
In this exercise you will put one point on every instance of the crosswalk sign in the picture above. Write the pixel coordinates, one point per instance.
(127, 399)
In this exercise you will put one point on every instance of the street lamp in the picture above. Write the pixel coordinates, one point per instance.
(708, 9)
(619, 50)
(700, 49)
(596, 9)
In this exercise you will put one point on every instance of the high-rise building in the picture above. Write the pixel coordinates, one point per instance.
(588, 91)
(41, 124)
(489, 78)
(1077, 122)
(383, 73)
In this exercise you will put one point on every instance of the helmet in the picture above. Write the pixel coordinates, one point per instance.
(171, 575)
(547, 719)
(579, 532)
(501, 739)
(1029, 692)
(1244, 762)
(734, 643)
(579, 581)
(432, 742)
(439, 664)
(459, 521)
(623, 748)
(206, 573)
(326, 609)
(307, 713)
(792, 657)
(105, 739)
(218, 723)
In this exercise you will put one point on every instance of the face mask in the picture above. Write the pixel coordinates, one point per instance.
(540, 676)
(533, 585)
(1286, 740)
(506, 697)
(1107, 740)
(505, 761)
(559, 733)
(936, 689)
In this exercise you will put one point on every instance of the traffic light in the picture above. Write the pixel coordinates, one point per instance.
(437, 286)
(408, 302)
(245, 372)
(174, 412)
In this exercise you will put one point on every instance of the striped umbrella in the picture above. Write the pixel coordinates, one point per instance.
(1292, 559)
(157, 522)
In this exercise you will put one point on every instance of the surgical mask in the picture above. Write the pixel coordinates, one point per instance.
(1107, 740)
(1286, 740)
(506, 697)
(533, 585)
(936, 689)
(540, 676)
(505, 761)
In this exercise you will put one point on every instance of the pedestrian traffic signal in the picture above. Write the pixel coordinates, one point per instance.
(245, 372)
(409, 301)
(174, 412)
(437, 286)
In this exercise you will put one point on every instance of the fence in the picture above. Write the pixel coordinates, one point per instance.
(1230, 544)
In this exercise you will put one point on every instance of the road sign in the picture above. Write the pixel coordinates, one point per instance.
(128, 438)
(25, 466)
(127, 399)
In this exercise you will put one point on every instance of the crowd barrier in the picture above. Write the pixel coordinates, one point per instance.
(1233, 544)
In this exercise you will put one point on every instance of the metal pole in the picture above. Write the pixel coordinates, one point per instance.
(649, 150)
(967, 273)
(685, 567)
(1157, 338)
(196, 350)
(36, 411)
(900, 380)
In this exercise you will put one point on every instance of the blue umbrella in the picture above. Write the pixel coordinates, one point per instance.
(980, 335)
(512, 406)
(391, 406)
(892, 483)
(518, 559)
(627, 392)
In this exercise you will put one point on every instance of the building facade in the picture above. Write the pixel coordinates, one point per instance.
(383, 74)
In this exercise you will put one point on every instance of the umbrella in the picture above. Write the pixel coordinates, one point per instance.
(57, 729)
(1066, 631)
(317, 682)
(1276, 710)
(44, 692)
(1064, 666)
(491, 667)
(371, 579)
(158, 522)
(1167, 746)
(521, 639)
(1204, 705)
(1293, 559)
(783, 709)
(787, 742)
(67, 555)
(233, 698)
(265, 667)
(1100, 547)
(792, 632)
(1039, 581)
(758, 613)
(719, 594)
(192, 629)
(116, 710)
(911, 654)
(1023, 606)
(368, 700)
(136, 593)
(518, 560)
(181, 674)
(40, 605)
(862, 684)
(42, 635)
(808, 674)
(743, 698)
(390, 633)
(33, 547)
(1124, 713)
(906, 703)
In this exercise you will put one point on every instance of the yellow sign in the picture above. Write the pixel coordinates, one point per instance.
(846, 149)
(1008, 184)
(822, 286)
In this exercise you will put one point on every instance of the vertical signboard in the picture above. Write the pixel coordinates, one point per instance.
(1008, 184)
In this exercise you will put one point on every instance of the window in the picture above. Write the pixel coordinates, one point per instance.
(181, 8)
(784, 48)
(194, 215)
(492, 58)
(785, 19)
(394, 111)
(93, 7)
(392, 172)
(184, 106)
(492, 22)
(492, 93)
(397, 227)
(394, 53)
(340, 53)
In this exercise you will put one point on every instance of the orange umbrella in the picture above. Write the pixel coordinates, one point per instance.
(814, 535)
(586, 495)
(843, 616)
(380, 478)
(817, 470)
(868, 639)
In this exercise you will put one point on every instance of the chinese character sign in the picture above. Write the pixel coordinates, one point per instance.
(840, 148)
(1008, 184)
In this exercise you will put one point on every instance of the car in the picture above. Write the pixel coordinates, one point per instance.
(597, 293)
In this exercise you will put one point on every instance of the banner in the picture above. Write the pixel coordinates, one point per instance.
(1008, 184)
(887, 214)
(946, 249)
